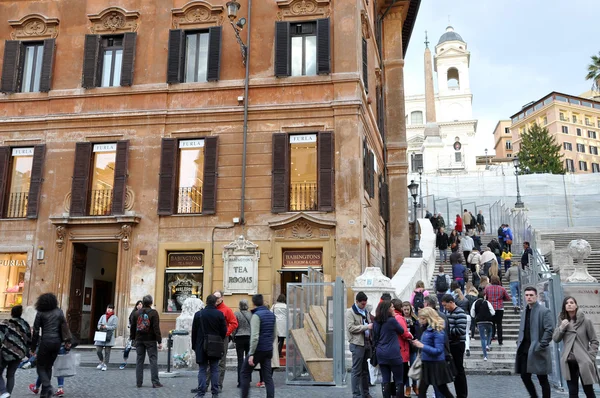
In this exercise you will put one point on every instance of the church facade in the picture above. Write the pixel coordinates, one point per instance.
(440, 127)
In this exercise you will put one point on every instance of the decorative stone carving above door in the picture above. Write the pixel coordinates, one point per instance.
(303, 9)
(34, 27)
(114, 20)
(197, 14)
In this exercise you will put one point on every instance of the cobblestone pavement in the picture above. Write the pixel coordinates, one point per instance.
(92, 383)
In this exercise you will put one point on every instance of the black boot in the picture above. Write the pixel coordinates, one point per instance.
(385, 389)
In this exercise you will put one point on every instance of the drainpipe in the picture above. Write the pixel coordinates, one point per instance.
(245, 134)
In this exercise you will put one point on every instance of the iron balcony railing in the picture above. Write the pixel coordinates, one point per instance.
(189, 200)
(101, 202)
(303, 196)
(17, 205)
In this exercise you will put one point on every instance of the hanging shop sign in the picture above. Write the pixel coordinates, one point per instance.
(302, 258)
(186, 259)
(240, 263)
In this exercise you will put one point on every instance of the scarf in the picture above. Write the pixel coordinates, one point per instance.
(108, 315)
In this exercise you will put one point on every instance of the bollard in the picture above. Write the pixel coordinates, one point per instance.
(170, 346)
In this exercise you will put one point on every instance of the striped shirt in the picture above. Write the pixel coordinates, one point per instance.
(457, 322)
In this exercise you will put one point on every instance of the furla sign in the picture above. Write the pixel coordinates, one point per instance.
(240, 267)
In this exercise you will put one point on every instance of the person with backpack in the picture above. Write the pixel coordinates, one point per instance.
(108, 323)
(208, 332)
(480, 222)
(495, 248)
(472, 296)
(129, 345)
(483, 313)
(145, 331)
(418, 295)
(512, 277)
(508, 237)
(441, 284)
(15, 346)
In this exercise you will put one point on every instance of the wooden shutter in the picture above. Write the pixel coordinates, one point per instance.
(323, 47)
(365, 59)
(35, 186)
(175, 57)
(91, 57)
(326, 161)
(280, 192)
(372, 174)
(4, 169)
(81, 178)
(120, 183)
(47, 65)
(166, 180)
(129, 40)
(209, 187)
(380, 111)
(214, 54)
(282, 49)
(365, 165)
(384, 202)
(10, 68)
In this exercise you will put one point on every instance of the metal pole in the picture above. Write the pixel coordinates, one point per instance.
(519, 204)
(246, 104)
(339, 305)
(169, 345)
(420, 192)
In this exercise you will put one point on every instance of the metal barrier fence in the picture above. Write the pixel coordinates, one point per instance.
(316, 309)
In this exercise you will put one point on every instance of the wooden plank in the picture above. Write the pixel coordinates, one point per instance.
(321, 369)
(317, 313)
(313, 336)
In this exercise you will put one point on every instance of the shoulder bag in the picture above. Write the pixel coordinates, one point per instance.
(414, 372)
(213, 344)
(374, 361)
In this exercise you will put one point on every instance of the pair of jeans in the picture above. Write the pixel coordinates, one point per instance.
(497, 325)
(485, 335)
(213, 363)
(127, 350)
(573, 384)
(142, 348)
(11, 368)
(360, 371)
(47, 354)
(222, 364)
(388, 370)
(242, 346)
(60, 380)
(443, 255)
(264, 359)
(106, 358)
(461, 284)
(460, 381)
(468, 336)
(515, 293)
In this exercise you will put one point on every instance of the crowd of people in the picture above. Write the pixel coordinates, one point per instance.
(415, 348)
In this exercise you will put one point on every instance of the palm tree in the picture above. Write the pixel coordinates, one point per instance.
(594, 72)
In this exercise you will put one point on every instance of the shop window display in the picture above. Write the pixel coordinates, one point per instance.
(12, 275)
(183, 279)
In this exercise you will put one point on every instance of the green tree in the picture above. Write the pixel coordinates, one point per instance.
(594, 72)
(539, 152)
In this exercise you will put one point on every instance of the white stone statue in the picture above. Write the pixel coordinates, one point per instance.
(580, 250)
(183, 356)
(373, 283)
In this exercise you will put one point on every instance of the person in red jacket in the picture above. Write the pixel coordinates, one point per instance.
(403, 339)
(232, 325)
(459, 224)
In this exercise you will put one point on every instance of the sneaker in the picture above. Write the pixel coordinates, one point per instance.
(60, 392)
(468, 353)
(489, 348)
(260, 384)
(33, 389)
(5, 395)
(122, 366)
(104, 367)
(26, 365)
(99, 366)
(485, 358)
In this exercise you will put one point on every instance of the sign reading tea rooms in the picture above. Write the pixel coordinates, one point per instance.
(240, 267)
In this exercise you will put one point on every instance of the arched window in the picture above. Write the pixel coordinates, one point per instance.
(416, 117)
(453, 79)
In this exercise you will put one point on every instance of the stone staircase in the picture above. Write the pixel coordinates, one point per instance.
(562, 240)
(501, 359)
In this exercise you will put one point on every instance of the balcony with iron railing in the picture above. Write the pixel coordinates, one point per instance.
(189, 200)
(17, 205)
(303, 196)
(101, 202)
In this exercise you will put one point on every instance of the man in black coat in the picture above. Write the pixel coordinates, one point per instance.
(209, 321)
(441, 242)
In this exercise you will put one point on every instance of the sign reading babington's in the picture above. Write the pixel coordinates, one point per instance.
(302, 258)
(187, 259)
(240, 265)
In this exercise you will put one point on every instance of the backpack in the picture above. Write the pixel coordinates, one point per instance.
(418, 300)
(441, 284)
(143, 323)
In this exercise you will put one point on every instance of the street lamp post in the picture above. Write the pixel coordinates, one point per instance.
(415, 251)
(487, 167)
(420, 170)
(517, 163)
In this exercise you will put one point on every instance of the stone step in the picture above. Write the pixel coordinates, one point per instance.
(505, 364)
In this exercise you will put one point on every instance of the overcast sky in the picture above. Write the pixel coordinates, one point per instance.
(520, 50)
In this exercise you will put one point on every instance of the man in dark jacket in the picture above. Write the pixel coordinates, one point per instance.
(145, 331)
(457, 322)
(501, 237)
(480, 223)
(262, 329)
(441, 242)
(525, 256)
(209, 321)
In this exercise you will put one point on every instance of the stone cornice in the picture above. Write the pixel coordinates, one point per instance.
(34, 27)
(197, 14)
(294, 10)
(284, 222)
(114, 20)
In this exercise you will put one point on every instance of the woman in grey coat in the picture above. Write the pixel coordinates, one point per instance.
(580, 346)
(107, 323)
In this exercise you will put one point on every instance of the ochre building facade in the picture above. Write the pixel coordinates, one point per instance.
(131, 154)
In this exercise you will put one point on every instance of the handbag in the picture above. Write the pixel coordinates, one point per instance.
(213, 344)
(509, 241)
(416, 368)
(100, 336)
(374, 361)
(65, 365)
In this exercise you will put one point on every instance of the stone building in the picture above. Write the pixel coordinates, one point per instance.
(136, 146)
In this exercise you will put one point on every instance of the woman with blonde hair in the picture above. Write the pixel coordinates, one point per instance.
(483, 283)
(495, 270)
(433, 354)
